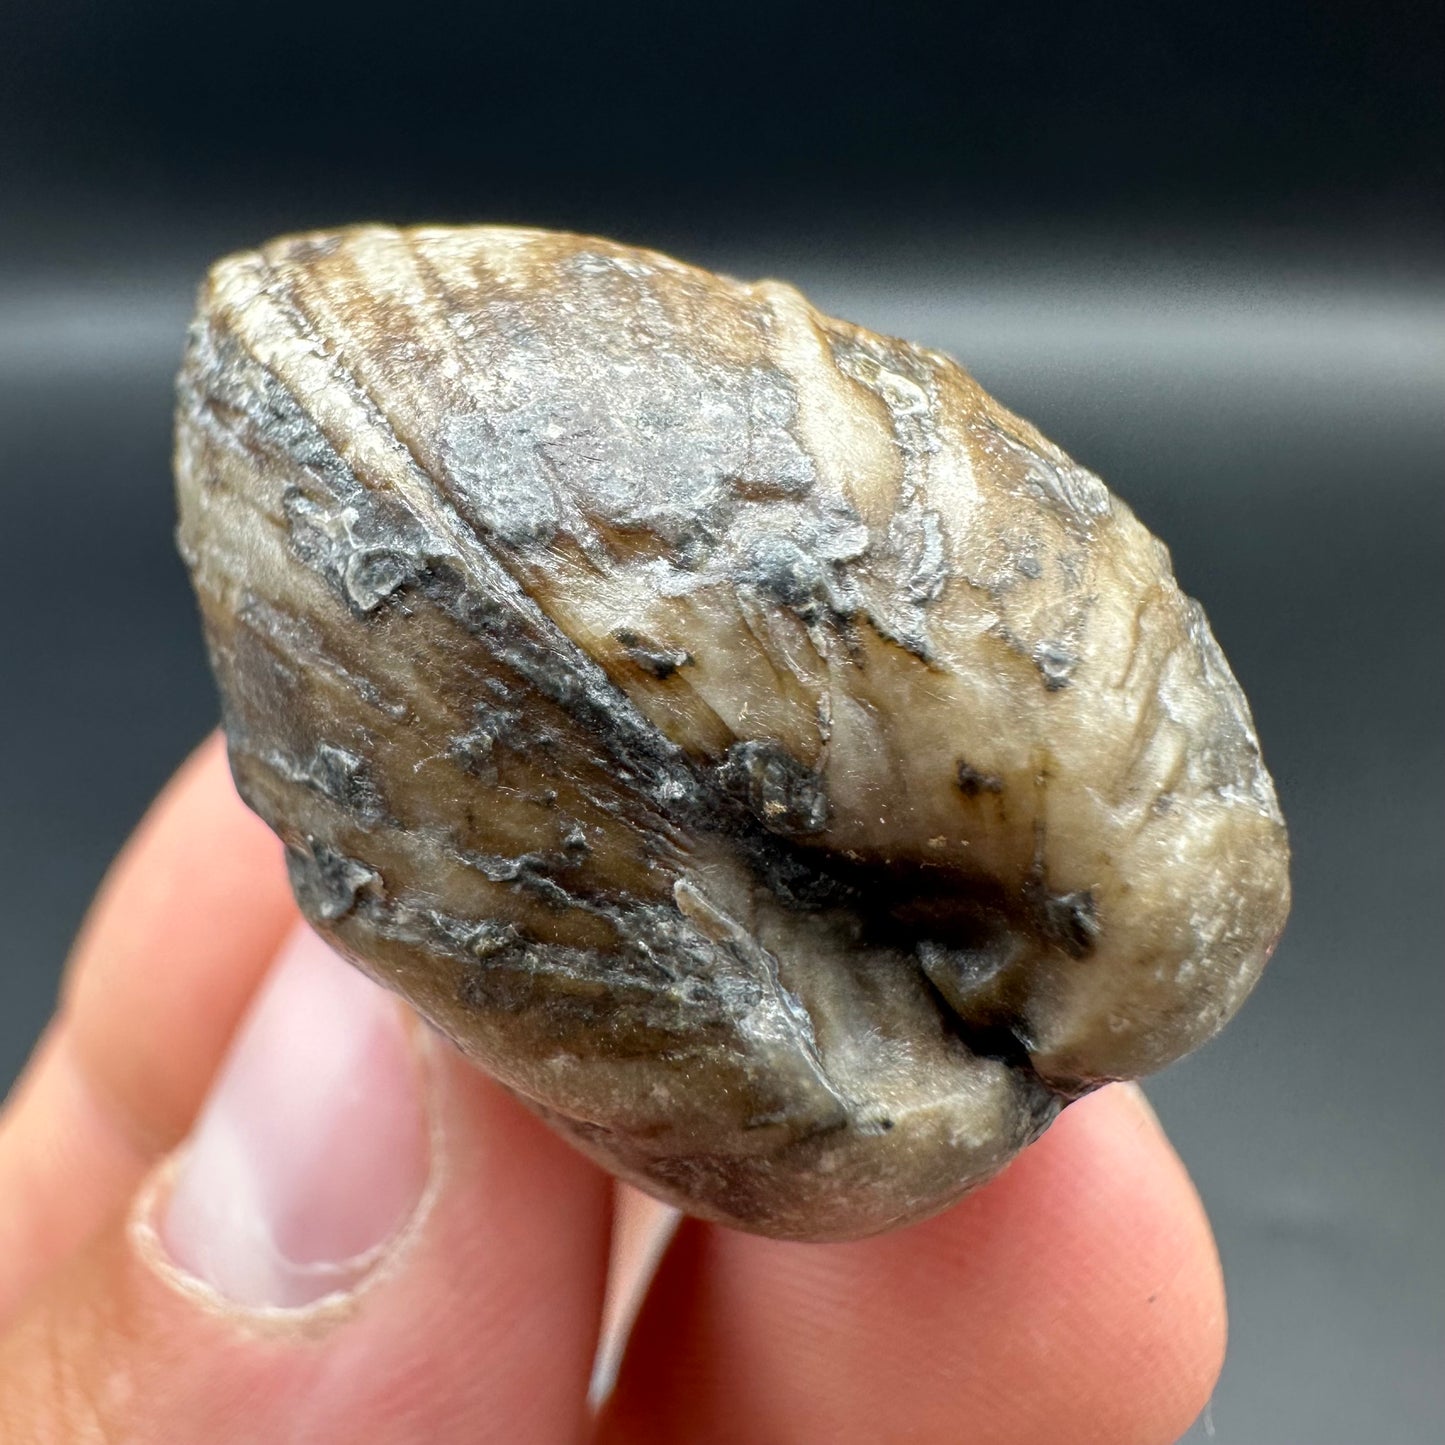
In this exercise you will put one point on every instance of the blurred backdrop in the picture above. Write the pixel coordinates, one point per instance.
(1198, 245)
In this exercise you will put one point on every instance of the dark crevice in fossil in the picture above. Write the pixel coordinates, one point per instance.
(986, 1040)
(1069, 921)
(897, 902)
(775, 788)
(1006, 1042)
(971, 940)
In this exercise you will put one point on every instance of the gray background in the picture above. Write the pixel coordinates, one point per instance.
(1219, 288)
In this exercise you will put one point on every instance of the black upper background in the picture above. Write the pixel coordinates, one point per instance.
(1198, 244)
(569, 110)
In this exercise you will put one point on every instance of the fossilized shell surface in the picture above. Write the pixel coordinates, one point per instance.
(773, 760)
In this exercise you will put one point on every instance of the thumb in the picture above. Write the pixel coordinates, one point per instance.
(363, 1240)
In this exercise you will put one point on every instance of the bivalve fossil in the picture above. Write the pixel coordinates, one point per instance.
(773, 760)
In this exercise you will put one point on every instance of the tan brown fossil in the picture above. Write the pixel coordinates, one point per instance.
(772, 759)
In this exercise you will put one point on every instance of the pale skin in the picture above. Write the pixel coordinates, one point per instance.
(1076, 1300)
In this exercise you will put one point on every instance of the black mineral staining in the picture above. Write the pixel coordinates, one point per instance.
(783, 795)
(491, 938)
(347, 780)
(1056, 665)
(1071, 921)
(972, 782)
(537, 658)
(369, 549)
(473, 751)
(802, 879)
(658, 662)
(327, 884)
(529, 873)
(243, 396)
(783, 571)
(373, 574)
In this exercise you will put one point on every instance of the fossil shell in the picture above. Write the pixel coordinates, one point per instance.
(772, 759)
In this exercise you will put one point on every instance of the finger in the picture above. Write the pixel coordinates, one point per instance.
(1076, 1299)
(185, 923)
(363, 1239)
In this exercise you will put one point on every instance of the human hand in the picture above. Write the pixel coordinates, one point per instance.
(233, 1211)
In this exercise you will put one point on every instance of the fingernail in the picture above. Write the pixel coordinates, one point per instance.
(311, 1151)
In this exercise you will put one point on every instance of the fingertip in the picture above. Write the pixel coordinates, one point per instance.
(1076, 1300)
(1101, 1274)
(1110, 1209)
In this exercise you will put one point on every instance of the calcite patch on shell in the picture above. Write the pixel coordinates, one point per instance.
(774, 761)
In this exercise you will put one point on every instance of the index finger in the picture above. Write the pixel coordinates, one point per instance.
(1075, 1300)
(185, 924)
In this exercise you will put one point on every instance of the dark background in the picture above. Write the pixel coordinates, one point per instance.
(1199, 245)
